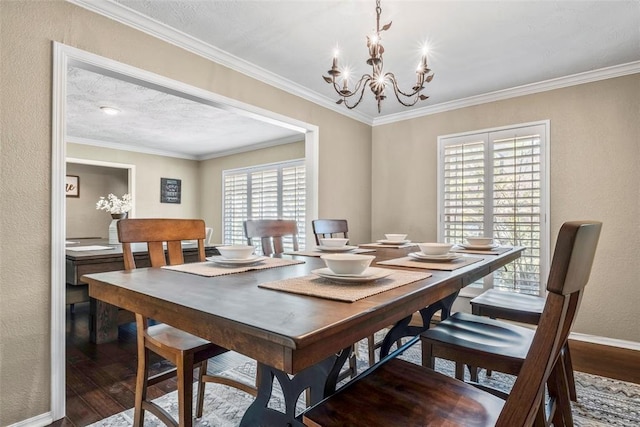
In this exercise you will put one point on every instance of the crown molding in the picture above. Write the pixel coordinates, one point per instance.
(529, 89)
(132, 18)
(174, 154)
(128, 147)
(280, 141)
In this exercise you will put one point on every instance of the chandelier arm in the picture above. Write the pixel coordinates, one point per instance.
(351, 107)
(360, 86)
(396, 89)
(397, 92)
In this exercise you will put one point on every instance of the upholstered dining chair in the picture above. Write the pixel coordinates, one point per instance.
(326, 228)
(520, 308)
(271, 233)
(185, 351)
(396, 392)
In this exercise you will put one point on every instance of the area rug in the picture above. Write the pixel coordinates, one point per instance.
(601, 401)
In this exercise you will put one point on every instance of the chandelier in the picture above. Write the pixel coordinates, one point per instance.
(378, 80)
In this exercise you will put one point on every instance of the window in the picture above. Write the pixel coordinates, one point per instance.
(274, 191)
(494, 183)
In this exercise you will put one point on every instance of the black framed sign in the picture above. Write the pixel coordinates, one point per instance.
(170, 190)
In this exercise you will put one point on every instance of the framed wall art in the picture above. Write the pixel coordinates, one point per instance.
(170, 190)
(72, 186)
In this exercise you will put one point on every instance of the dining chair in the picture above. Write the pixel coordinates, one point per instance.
(477, 341)
(185, 351)
(326, 228)
(397, 392)
(271, 233)
(520, 308)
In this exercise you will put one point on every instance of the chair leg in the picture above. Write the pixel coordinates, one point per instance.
(200, 401)
(141, 387)
(473, 373)
(559, 391)
(427, 355)
(460, 371)
(353, 364)
(371, 344)
(184, 365)
(568, 366)
(541, 418)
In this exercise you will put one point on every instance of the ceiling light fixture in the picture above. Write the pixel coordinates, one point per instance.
(112, 111)
(378, 80)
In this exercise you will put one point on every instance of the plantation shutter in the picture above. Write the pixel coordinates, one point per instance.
(464, 187)
(517, 203)
(493, 184)
(235, 208)
(274, 191)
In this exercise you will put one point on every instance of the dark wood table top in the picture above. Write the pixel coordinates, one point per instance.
(286, 331)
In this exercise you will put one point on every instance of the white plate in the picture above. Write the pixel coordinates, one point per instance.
(335, 248)
(479, 247)
(369, 275)
(394, 242)
(446, 257)
(253, 259)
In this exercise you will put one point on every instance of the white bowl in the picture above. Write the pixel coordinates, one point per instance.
(395, 237)
(333, 242)
(347, 263)
(235, 251)
(435, 248)
(480, 241)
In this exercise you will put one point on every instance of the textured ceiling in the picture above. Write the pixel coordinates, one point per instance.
(155, 121)
(476, 47)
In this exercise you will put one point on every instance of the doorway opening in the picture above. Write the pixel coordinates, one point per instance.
(63, 57)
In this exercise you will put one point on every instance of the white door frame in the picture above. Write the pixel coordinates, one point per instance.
(63, 56)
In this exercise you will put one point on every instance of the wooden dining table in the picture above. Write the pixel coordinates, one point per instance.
(300, 340)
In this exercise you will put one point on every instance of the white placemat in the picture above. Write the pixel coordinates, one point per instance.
(211, 269)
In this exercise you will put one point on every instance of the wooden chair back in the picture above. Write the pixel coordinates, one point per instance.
(156, 232)
(570, 269)
(270, 232)
(329, 228)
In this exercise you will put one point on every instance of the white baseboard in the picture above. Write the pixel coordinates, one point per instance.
(37, 421)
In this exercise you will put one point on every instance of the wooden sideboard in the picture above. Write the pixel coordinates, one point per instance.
(79, 263)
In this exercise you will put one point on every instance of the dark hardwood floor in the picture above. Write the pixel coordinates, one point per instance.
(100, 379)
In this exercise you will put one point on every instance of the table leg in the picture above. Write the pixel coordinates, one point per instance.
(402, 328)
(320, 379)
(103, 321)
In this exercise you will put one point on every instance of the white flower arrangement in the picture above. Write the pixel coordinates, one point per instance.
(114, 205)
